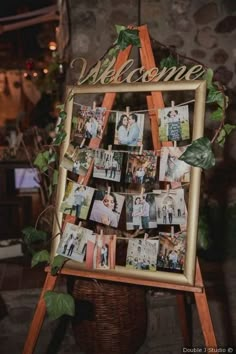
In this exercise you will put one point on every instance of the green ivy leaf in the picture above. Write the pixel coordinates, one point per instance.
(31, 235)
(60, 137)
(168, 62)
(52, 157)
(41, 161)
(217, 114)
(39, 257)
(128, 37)
(226, 130)
(59, 304)
(57, 264)
(62, 115)
(215, 96)
(119, 28)
(208, 76)
(199, 154)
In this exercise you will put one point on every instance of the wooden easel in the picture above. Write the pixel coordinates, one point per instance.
(153, 101)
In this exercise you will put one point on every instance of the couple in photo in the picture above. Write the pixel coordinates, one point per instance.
(140, 214)
(128, 130)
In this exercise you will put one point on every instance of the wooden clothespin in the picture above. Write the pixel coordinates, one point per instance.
(141, 149)
(142, 192)
(145, 236)
(175, 144)
(94, 105)
(82, 143)
(80, 224)
(172, 104)
(101, 232)
(168, 188)
(172, 231)
(110, 148)
(108, 190)
(81, 181)
(127, 111)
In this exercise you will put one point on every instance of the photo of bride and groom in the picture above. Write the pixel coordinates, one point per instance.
(129, 129)
(140, 212)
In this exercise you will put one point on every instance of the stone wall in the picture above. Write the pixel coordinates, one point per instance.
(203, 30)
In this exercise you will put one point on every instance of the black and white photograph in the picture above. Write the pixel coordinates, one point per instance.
(129, 129)
(77, 160)
(107, 165)
(77, 200)
(171, 207)
(140, 211)
(174, 123)
(171, 168)
(172, 249)
(73, 242)
(141, 169)
(142, 254)
(106, 208)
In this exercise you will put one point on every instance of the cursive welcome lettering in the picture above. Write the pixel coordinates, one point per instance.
(107, 75)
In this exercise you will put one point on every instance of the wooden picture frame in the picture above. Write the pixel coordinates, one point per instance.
(121, 273)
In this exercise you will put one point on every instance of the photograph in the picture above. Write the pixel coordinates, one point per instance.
(141, 169)
(107, 165)
(106, 208)
(87, 122)
(171, 254)
(77, 200)
(174, 123)
(129, 129)
(73, 243)
(141, 211)
(171, 168)
(81, 114)
(171, 207)
(77, 160)
(142, 254)
(101, 251)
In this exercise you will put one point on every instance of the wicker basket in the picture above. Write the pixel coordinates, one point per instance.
(120, 317)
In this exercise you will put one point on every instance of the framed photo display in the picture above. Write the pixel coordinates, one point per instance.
(182, 207)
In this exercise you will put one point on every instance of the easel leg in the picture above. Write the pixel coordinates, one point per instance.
(183, 319)
(205, 319)
(39, 316)
(204, 312)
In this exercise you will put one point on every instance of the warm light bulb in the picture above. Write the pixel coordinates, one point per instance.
(35, 74)
(52, 45)
(45, 70)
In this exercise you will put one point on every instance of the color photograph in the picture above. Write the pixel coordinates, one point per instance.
(107, 165)
(73, 243)
(171, 254)
(77, 160)
(129, 129)
(140, 211)
(101, 252)
(171, 207)
(77, 200)
(107, 208)
(142, 254)
(171, 168)
(174, 123)
(141, 169)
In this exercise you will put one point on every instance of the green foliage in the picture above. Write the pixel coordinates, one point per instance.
(199, 154)
(59, 304)
(31, 235)
(127, 37)
(57, 264)
(226, 130)
(40, 257)
(42, 161)
(168, 62)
